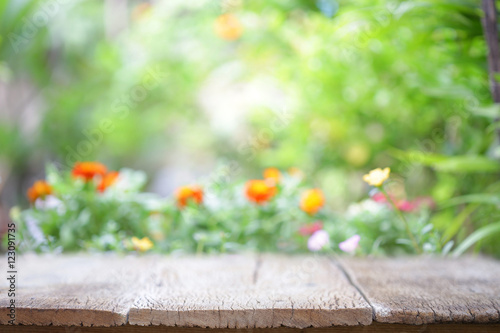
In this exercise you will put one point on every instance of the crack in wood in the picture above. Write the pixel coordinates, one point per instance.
(355, 285)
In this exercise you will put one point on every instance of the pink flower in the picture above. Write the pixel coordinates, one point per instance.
(350, 244)
(309, 229)
(318, 240)
(379, 197)
(404, 205)
(407, 206)
(416, 204)
(425, 201)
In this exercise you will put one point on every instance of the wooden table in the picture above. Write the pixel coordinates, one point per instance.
(111, 293)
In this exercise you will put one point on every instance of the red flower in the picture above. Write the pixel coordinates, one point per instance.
(88, 170)
(189, 193)
(309, 229)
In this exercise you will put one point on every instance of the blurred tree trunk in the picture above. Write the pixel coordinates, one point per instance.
(491, 35)
(490, 29)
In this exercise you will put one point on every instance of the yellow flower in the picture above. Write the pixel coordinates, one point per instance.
(377, 176)
(142, 245)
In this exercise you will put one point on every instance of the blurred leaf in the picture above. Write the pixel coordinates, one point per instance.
(455, 225)
(476, 236)
(492, 111)
(455, 164)
(447, 247)
(482, 198)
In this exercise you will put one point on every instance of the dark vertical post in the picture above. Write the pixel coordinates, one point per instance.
(491, 34)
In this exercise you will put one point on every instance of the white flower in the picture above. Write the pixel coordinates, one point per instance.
(50, 202)
(350, 244)
(130, 181)
(364, 207)
(35, 231)
(318, 240)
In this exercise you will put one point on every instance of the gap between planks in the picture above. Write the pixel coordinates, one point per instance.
(296, 292)
(428, 290)
(337, 262)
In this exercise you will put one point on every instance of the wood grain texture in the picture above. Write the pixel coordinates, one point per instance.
(423, 290)
(307, 291)
(246, 292)
(72, 290)
(204, 292)
(373, 328)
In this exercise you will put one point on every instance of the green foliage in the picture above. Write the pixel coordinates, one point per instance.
(367, 84)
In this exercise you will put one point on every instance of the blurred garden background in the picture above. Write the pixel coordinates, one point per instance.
(185, 89)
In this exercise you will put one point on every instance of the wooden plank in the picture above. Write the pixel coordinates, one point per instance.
(205, 291)
(374, 327)
(307, 291)
(423, 290)
(71, 290)
(240, 292)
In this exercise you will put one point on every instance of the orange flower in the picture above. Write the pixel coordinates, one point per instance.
(259, 191)
(273, 175)
(40, 189)
(228, 27)
(188, 193)
(311, 201)
(109, 179)
(296, 172)
(88, 170)
(141, 11)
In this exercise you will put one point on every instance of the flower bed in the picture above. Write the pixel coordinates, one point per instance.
(92, 208)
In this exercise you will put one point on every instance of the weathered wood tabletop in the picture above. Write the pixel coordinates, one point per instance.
(109, 293)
